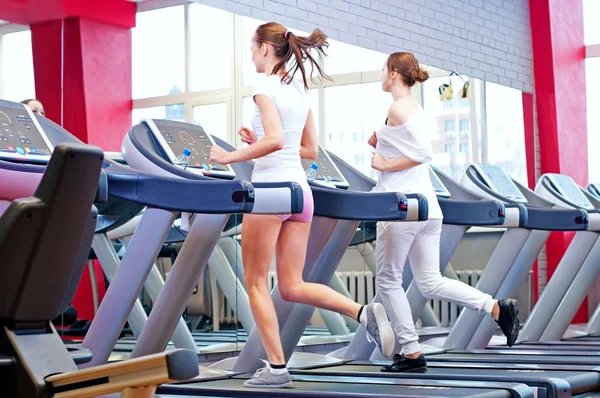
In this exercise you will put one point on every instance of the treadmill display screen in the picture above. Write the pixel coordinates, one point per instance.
(438, 186)
(195, 139)
(502, 183)
(327, 170)
(20, 137)
(567, 187)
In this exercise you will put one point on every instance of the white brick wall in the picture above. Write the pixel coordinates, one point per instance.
(489, 39)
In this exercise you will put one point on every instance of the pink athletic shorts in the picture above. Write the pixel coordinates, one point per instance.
(307, 213)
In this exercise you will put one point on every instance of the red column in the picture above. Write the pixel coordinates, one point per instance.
(559, 69)
(83, 77)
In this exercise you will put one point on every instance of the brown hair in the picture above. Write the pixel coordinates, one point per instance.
(407, 66)
(297, 49)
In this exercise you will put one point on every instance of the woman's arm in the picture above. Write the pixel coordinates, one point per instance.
(309, 145)
(273, 139)
(380, 163)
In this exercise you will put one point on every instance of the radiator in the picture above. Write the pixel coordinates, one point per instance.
(362, 288)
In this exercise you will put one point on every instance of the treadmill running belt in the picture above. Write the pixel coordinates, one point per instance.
(576, 381)
(305, 386)
(516, 358)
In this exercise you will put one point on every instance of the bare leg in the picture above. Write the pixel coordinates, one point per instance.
(259, 236)
(291, 255)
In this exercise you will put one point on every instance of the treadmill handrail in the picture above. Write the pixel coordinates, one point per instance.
(151, 370)
(200, 196)
(362, 206)
(423, 210)
(472, 212)
(555, 219)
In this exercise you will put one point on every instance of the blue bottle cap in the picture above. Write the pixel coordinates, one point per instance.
(187, 152)
(314, 166)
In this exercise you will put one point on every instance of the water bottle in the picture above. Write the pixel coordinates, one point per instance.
(311, 172)
(183, 160)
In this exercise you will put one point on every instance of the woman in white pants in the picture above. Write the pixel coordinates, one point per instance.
(403, 149)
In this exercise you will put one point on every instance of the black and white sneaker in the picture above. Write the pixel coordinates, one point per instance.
(508, 320)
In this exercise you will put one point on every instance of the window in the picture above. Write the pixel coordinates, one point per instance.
(463, 103)
(213, 119)
(450, 104)
(450, 125)
(448, 117)
(158, 52)
(464, 148)
(346, 58)
(592, 74)
(505, 135)
(591, 11)
(211, 60)
(465, 125)
(171, 112)
(17, 67)
(354, 110)
(450, 148)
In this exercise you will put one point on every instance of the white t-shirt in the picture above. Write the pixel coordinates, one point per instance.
(413, 140)
(292, 103)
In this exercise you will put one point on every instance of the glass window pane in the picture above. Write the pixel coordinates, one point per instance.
(17, 67)
(158, 54)
(346, 58)
(449, 153)
(213, 119)
(211, 60)
(506, 130)
(170, 112)
(592, 74)
(352, 113)
(591, 11)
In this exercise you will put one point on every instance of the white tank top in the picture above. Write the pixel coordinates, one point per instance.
(292, 103)
(413, 140)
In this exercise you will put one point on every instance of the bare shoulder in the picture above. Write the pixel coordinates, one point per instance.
(400, 111)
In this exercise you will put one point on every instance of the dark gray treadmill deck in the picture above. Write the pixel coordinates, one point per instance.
(577, 381)
(521, 357)
(591, 347)
(316, 386)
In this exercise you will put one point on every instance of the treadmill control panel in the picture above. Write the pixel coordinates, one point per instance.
(498, 181)
(440, 189)
(571, 191)
(176, 137)
(21, 136)
(327, 171)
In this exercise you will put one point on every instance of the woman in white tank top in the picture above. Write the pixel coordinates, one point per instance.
(402, 150)
(283, 132)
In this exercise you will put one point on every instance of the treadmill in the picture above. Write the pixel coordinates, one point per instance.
(337, 213)
(47, 220)
(548, 381)
(210, 193)
(570, 282)
(467, 344)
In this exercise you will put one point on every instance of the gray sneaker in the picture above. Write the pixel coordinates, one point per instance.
(263, 378)
(379, 329)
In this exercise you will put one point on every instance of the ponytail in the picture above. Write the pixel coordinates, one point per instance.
(294, 49)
